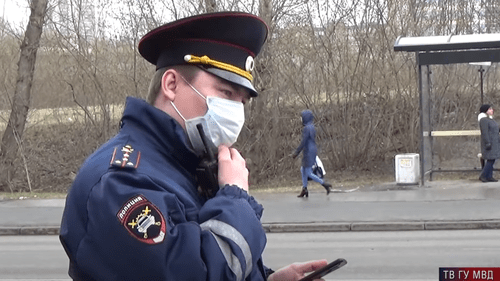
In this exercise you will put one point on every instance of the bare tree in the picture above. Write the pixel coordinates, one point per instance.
(334, 57)
(12, 137)
(210, 6)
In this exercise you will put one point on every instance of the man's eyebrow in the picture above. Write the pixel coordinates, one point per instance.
(222, 82)
(235, 88)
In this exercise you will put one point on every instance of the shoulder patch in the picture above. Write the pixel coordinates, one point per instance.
(125, 157)
(143, 220)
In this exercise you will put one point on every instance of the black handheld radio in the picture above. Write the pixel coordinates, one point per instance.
(207, 170)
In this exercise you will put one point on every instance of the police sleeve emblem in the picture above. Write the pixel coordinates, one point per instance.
(142, 220)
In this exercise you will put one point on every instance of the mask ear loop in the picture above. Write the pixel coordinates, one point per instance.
(176, 110)
(192, 87)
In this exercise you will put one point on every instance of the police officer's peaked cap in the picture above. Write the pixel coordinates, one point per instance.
(224, 44)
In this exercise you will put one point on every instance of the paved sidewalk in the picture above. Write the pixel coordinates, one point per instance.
(388, 207)
(463, 204)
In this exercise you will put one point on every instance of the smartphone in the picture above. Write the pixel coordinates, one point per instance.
(318, 273)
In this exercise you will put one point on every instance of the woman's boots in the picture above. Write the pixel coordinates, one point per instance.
(328, 187)
(303, 193)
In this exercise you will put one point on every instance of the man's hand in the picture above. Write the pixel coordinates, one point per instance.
(232, 168)
(296, 271)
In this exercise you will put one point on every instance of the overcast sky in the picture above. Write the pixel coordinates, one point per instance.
(15, 11)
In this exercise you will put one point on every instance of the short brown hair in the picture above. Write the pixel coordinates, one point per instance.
(187, 71)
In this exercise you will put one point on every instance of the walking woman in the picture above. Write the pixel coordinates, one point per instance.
(490, 141)
(308, 147)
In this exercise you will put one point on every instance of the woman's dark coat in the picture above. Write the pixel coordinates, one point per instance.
(308, 144)
(489, 135)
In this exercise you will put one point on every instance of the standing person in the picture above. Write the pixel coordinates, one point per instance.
(308, 147)
(490, 141)
(141, 206)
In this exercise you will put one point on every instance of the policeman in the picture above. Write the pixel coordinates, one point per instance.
(144, 206)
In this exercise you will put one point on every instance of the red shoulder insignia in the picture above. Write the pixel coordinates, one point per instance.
(125, 158)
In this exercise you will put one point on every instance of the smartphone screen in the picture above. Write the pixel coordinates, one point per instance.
(317, 274)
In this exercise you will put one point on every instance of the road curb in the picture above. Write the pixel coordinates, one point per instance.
(337, 227)
(29, 230)
(305, 227)
(309, 227)
(450, 225)
(387, 226)
(380, 226)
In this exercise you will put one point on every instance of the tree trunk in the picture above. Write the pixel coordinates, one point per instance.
(259, 108)
(12, 136)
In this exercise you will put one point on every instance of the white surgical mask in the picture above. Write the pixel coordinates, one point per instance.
(222, 123)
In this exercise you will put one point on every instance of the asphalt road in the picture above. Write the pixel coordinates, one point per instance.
(387, 255)
(391, 255)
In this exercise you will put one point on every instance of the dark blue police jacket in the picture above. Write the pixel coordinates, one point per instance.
(134, 212)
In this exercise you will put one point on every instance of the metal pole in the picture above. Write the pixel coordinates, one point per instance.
(422, 138)
(481, 70)
(429, 118)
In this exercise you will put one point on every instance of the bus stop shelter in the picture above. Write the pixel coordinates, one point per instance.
(440, 50)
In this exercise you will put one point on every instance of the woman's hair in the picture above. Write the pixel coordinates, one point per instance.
(187, 71)
(484, 108)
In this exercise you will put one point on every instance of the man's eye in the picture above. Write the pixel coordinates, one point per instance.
(227, 93)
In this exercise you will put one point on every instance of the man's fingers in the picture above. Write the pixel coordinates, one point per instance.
(232, 168)
(236, 155)
(224, 153)
(229, 153)
(313, 265)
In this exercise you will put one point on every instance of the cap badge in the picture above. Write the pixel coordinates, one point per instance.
(249, 64)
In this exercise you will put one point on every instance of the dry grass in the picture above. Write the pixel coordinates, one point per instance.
(63, 115)
(32, 195)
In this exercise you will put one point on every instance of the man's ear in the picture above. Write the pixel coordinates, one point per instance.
(170, 84)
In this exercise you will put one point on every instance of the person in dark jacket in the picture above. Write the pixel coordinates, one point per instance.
(309, 151)
(143, 206)
(490, 141)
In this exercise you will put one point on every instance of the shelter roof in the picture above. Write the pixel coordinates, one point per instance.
(449, 42)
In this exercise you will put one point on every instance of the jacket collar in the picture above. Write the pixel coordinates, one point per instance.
(160, 131)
